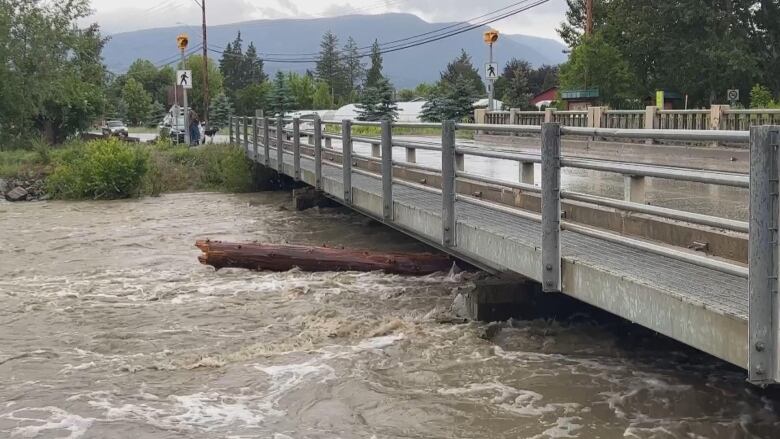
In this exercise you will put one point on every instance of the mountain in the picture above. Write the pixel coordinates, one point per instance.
(405, 68)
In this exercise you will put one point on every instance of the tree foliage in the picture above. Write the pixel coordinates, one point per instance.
(700, 48)
(374, 75)
(330, 68)
(52, 80)
(220, 111)
(196, 96)
(354, 70)
(139, 102)
(281, 99)
(463, 70)
(378, 103)
(456, 102)
(240, 70)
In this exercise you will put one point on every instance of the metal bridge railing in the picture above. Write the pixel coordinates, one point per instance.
(761, 230)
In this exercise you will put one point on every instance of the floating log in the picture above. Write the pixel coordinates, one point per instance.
(275, 257)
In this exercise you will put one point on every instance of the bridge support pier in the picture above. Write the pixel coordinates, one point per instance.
(308, 198)
(498, 298)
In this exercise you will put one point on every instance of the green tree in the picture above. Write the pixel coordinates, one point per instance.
(220, 111)
(281, 100)
(456, 103)
(232, 67)
(139, 102)
(518, 94)
(52, 81)
(156, 114)
(761, 97)
(354, 69)
(330, 68)
(374, 75)
(155, 81)
(463, 69)
(252, 68)
(595, 63)
(253, 97)
(196, 96)
(303, 88)
(321, 99)
(378, 103)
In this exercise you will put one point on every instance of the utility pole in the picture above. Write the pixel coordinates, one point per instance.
(588, 17)
(205, 67)
(490, 38)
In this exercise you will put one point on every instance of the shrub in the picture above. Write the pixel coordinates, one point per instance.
(225, 167)
(102, 169)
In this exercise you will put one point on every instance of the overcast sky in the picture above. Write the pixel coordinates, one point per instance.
(118, 16)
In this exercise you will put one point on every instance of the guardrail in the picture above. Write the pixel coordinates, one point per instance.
(718, 117)
(761, 229)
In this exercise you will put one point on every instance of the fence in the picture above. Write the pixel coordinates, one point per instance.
(719, 117)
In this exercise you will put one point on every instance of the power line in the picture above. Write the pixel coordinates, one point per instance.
(389, 48)
(467, 22)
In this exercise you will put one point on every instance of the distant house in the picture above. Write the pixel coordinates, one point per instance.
(545, 98)
(580, 99)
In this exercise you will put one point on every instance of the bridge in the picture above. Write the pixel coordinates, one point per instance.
(706, 281)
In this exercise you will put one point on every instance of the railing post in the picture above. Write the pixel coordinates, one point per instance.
(448, 183)
(527, 173)
(764, 305)
(297, 148)
(238, 130)
(549, 115)
(387, 169)
(230, 130)
(266, 143)
(551, 207)
(246, 134)
(634, 189)
(280, 144)
(411, 155)
(317, 153)
(255, 139)
(346, 158)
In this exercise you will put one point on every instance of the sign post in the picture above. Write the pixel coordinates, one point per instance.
(184, 79)
(491, 68)
(659, 99)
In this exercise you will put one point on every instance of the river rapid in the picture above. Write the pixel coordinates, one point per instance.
(110, 328)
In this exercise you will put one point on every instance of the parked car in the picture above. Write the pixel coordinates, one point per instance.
(114, 128)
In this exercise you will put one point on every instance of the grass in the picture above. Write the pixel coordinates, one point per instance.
(109, 168)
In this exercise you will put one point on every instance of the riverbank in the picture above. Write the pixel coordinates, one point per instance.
(110, 169)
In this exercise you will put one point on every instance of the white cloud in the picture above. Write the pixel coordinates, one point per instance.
(116, 16)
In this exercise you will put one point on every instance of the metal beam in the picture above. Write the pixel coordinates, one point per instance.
(551, 207)
(387, 169)
(448, 184)
(346, 159)
(317, 153)
(297, 149)
(280, 144)
(763, 324)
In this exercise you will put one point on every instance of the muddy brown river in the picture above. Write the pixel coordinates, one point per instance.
(109, 328)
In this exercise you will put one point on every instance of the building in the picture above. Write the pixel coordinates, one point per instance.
(545, 98)
(578, 100)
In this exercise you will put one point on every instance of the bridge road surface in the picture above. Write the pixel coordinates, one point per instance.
(701, 307)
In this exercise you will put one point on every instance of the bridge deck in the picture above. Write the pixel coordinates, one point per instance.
(702, 307)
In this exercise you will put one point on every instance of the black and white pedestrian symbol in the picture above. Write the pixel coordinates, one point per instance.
(491, 71)
(184, 78)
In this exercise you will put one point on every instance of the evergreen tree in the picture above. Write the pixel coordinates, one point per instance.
(517, 94)
(253, 67)
(232, 67)
(138, 101)
(433, 109)
(302, 88)
(253, 97)
(281, 100)
(353, 66)
(374, 75)
(378, 103)
(463, 69)
(321, 99)
(330, 69)
(456, 103)
(220, 111)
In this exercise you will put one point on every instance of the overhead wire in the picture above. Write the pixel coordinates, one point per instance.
(390, 47)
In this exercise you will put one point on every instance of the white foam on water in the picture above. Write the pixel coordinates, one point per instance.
(53, 419)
